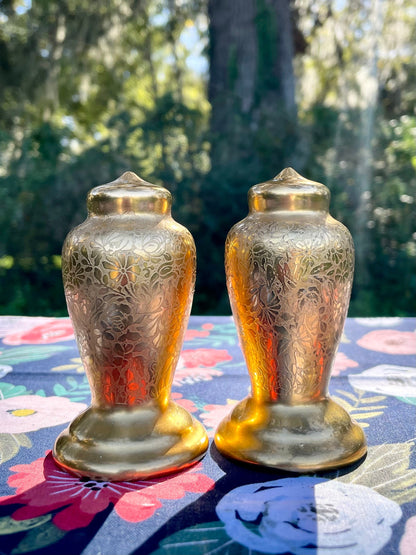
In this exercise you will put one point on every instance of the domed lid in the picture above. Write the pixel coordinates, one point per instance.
(128, 194)
(288, 191)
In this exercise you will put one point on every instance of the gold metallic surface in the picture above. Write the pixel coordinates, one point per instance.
(129, 276)
(289, 268)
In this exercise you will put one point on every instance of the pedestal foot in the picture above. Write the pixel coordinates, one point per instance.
(130, 443)
(298, 438)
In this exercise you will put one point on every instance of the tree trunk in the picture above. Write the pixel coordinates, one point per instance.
(251, 55)
(253, 119)
(233, 58)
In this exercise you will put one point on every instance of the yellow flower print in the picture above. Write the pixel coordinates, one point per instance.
(76, 365)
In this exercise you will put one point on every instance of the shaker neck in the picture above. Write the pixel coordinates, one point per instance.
(129, 194)
(289, 192)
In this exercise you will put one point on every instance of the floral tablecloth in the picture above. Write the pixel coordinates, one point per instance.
(218, 506)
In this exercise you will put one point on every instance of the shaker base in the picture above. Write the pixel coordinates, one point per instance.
(130, 443)
(297, 438)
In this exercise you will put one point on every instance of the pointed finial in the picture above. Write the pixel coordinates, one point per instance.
(288, 174)
(130, 178)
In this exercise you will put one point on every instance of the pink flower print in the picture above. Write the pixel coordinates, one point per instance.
(194, 358)
(185, 403)
(53, 331)
(191, 333)
(27, 413)
(215, 413)
(197, 365)
(12, 324)
(342, 362)
(393, 342)
(191, 375)
(408, 541)
(41, 487)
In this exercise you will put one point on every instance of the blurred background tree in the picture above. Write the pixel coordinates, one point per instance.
(207, 97)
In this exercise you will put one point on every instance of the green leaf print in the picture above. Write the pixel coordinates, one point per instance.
(387, 470)
(76, 390)
(10, 445)
(9, 525)
(37, 538)
(361, 406)
(10, 390)
(208, 538)
(30, 353)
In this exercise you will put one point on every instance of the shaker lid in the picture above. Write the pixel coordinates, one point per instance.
(288, 191)
(128, 194)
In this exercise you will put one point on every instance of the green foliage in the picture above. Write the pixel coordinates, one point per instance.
(389, 238)
(83, 101)
(89, 91)
(360, 141)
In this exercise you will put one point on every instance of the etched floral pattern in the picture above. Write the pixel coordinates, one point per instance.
(289, 285)
(129, 285)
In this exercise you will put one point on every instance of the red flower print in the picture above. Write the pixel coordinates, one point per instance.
(393, 342)
(342, 362)
(42, 488)
(137, 506)
(10, 324)
(57, 329)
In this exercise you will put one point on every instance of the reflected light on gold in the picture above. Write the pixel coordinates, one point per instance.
(289, 268)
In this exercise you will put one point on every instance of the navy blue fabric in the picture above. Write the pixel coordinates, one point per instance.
(219, 506)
